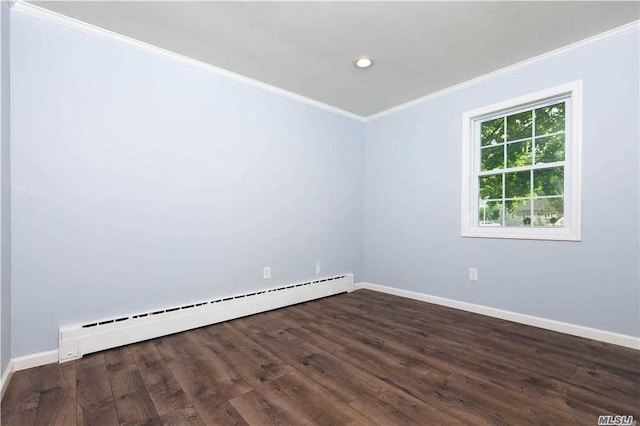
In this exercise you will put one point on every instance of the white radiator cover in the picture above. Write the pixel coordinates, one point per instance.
(78, 340)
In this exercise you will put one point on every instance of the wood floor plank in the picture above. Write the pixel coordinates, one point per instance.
(580, 412)
(381, 412)
(182, 417)
(304, 356)
(301, 360)
(498, 366)
(248, 366)
(360, 358)
(513, 372)
(165, 391)
(95, 403)
(296, 394)
(131, 397)
(170, 348)
(212, 406)
(244, 343)
(629, 405)
(57, 402)
(21, 399)
(224, 377)
(256, 410)
(326, 370)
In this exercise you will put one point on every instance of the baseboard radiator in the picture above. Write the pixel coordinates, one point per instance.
(78, 340)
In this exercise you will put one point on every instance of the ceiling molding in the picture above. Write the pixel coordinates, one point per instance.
(39, 12)
(48, 15)
(616, 32)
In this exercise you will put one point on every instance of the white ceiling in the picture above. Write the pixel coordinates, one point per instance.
(308, 47)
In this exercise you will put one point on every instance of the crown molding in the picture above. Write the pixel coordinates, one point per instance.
(616, 32)
(36, 11)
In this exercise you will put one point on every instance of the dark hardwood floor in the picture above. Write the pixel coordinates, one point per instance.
(360, 358)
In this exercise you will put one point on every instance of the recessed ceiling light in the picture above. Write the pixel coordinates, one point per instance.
(363, 62)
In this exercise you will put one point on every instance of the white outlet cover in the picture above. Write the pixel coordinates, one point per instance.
(266, 272)
(473, 274)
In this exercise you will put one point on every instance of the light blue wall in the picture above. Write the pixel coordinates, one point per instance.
(5, 190)
(412, 200)
(139, 182)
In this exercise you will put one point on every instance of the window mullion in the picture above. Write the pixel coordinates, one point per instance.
(504, 166)
(523, 168)
(533, 162)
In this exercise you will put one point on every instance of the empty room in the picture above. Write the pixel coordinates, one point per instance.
(315, 212)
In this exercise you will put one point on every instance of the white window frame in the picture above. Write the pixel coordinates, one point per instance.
(571, 230)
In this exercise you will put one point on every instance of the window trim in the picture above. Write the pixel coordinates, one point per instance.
(573, 167)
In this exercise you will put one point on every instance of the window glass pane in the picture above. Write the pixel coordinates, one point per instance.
(491, 186)
(490, 213)
(518, 212)
(491, 132)
(519, 125)
(516, 157)
(548, 181)
(548, 212)
(518, 184)
(550, 149)
(550, 119)
(492, 158)
(519, 154)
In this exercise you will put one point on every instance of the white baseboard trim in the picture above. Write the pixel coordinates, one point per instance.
(35, 360)
(6, 377)
(548, 324)
(50, 357)
(24, 362)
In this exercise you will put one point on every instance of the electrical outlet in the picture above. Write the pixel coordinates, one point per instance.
(473, 274)
(266, 272)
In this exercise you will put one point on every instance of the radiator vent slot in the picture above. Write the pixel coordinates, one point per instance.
(194, 305)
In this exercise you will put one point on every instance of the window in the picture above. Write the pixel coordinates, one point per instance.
(522, 167)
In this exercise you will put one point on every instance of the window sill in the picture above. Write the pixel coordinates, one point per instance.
(551, 234)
